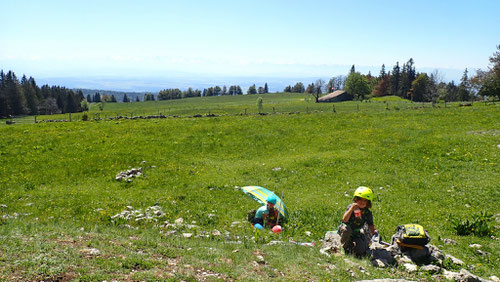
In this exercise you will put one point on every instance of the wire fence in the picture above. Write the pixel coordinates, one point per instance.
(337, 108)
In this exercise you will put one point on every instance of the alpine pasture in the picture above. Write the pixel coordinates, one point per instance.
(427, 164)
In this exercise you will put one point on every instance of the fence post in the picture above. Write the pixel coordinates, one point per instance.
(334, 109)
(69, 116)
(35, 119)
(245, 111)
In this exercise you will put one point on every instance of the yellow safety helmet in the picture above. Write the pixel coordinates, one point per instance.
(364, 192)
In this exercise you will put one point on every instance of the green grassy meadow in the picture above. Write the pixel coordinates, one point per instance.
(57, 184)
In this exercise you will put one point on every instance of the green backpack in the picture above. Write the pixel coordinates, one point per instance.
(412, 234)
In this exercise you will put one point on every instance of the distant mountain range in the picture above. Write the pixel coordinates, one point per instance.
(140, 85)
(135, 86)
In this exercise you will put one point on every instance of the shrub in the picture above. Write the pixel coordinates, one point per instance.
(479, 225)
(85, 116)
(260, 103)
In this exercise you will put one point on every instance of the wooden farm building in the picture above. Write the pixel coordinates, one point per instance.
(336, 96)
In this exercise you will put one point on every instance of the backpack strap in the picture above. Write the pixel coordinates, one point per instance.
(401, 244)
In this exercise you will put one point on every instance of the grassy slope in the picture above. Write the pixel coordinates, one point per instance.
(425, 165)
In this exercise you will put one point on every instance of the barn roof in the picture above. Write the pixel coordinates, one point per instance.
(331, 95)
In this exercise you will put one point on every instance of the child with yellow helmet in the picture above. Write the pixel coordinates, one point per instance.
(356, 216)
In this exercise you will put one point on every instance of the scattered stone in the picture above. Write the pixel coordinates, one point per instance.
(402, 259)
(483, 253)
(331, 243)
(430, 268)
(151, 214)
(410, 267)
(179, 221)
(129, 174)
(454, 260)
(90, 252)
(436, 254)
(450, 242)
(234, 223)
(235, 251)
(260, 259)
(308, 233)
(477, 246)
(379, 263)
(187, 235)
(385, 280)
(277, 169)
(467, 206)
(463, 275)
(494, 278)
(331, 266)
(216, 233)
(380, 255)
(3, 206)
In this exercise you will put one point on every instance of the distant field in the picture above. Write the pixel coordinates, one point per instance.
(426, 165)
(232, 105)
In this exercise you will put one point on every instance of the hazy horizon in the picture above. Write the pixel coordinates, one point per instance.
(220, 40)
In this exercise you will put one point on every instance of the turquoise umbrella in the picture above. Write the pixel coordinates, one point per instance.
(260, 194)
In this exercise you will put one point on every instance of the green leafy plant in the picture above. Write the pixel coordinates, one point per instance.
(479, 225)
(260, 103)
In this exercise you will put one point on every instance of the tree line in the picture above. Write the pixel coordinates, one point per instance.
(25, 97)
(176, 93)
(405, 82)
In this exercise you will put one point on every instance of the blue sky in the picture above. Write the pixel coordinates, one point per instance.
(271, 38)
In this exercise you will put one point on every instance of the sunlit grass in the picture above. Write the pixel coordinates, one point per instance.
(424, 164)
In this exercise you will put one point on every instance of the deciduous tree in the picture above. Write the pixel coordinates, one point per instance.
(357, 85)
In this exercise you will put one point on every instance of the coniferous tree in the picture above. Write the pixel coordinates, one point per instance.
(464, 87)
(4, 107)
(395, 76)
(30, 94)
(125, 99)
(89, 99)
(298, 88)
(60, 103)
(15, 96)
(382, 72)
(252, 90)
(353, 69)
(137, 99)
(217, 91)
(404, 80)
(97, 98)
(266, 89)
(71, 105)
